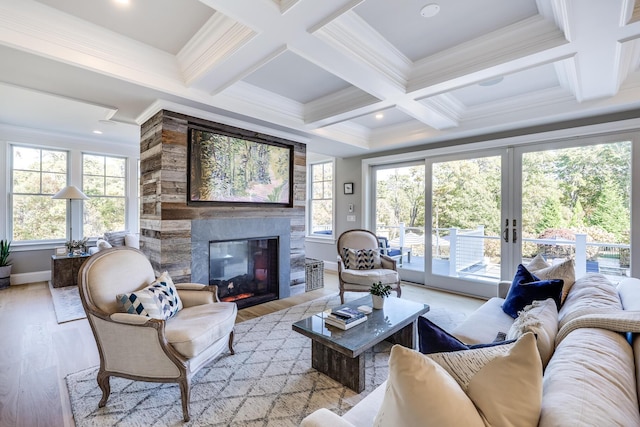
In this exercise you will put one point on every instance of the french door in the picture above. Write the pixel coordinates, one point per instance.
(487, 211)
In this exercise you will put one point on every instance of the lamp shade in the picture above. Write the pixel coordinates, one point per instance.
(70, 192)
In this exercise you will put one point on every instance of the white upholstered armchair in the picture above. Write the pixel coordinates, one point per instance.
(360, 263)
(143, 348)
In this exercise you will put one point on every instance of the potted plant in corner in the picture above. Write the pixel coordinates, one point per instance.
(5, 266)
(378, 293)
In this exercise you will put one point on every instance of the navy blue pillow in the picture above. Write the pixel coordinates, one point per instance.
(526, 288)
(433, 339)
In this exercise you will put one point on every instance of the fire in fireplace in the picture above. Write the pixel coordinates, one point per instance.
(245, 270)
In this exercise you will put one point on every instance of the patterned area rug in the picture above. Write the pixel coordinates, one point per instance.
(268, 382)
(66, 303)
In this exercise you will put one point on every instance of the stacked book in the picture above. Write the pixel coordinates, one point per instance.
(345, 318)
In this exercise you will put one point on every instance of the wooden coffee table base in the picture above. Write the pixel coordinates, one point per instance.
(349, 371)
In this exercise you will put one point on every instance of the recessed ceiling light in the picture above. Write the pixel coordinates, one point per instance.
(491, 82)
(379, 116)
(97, 132)
(430, 10)
(122, 2)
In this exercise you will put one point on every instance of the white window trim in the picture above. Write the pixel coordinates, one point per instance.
(309, 236)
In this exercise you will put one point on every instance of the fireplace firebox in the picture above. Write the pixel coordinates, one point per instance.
(245, 270)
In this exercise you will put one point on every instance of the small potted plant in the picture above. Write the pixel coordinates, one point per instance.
(5, 264)
(378, 293)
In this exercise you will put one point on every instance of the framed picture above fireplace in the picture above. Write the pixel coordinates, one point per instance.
(229, 169)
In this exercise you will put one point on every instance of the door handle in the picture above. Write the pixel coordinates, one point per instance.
(515, 236)
(505, 232)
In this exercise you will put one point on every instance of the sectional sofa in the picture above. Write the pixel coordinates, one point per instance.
(590, 378)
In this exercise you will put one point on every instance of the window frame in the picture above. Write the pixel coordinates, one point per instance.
(10, 190)
(310, 199)
(125, 198)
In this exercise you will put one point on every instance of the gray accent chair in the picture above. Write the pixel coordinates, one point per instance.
(139, 347)
(351, 280)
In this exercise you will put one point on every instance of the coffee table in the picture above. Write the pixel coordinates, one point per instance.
(339, 354)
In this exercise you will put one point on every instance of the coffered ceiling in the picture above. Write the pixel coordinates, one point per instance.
(346, 77)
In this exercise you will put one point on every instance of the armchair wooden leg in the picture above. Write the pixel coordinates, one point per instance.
(185, 392)
(231, 343)
(103, 383)
(341, 296)
(398, 290)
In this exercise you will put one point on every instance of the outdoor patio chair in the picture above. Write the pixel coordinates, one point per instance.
(360, 263)
(157, 349)
(393, 253)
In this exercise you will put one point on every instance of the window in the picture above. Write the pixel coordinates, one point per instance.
(104, 181)
(36, 175)
(321, 205)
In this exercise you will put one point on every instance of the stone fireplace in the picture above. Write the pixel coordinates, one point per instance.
(176, 237)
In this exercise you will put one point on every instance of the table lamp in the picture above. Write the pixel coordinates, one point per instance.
(70, 192)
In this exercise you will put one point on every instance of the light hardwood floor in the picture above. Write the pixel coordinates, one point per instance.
(37, 353)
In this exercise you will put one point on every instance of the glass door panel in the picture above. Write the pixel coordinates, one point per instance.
(576, 203)
(400, 216)
(466, 209)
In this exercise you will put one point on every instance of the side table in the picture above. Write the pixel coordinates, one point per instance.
(65, 268)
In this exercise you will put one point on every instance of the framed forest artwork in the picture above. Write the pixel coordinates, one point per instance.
(229, 169)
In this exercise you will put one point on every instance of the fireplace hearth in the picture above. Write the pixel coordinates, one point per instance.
(245, 270)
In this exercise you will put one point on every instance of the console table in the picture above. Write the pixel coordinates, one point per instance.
(65, 268)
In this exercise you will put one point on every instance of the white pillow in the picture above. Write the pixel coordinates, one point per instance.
(159, 300)
(540, 318)
(132, 241)
(102, 244)
(503, 384)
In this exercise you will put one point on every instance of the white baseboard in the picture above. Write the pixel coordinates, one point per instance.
(35, 276)
(331, 265)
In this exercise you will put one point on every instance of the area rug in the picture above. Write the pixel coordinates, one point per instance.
(268, 382)
(66, 303)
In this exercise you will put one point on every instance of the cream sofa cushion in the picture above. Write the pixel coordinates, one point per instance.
(590, 381)
(491, 386)
(483, 325)
(565, 271)
(193, 329)
(540, 318)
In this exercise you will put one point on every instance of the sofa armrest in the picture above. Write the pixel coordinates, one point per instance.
(503, 288)
(323, 418)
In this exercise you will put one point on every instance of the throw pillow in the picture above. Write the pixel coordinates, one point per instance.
(102, 244)
(540, 318)
(115, 238)
(527, 288)
(419, 390)
(159, 300)
(361, 259)
(565, 271)
(496, 386)
(537, 263)
(504, 382)
(132, 241)
(433, 339)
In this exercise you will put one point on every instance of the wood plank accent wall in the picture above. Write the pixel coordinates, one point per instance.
(165, 218)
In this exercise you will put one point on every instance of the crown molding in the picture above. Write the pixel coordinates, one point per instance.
(162, 104)
(447, 106)
(347, 133)
(261, 103)
(353, 36)
(525, 38)
(338, 106)
(219, 38)
(285, 5)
